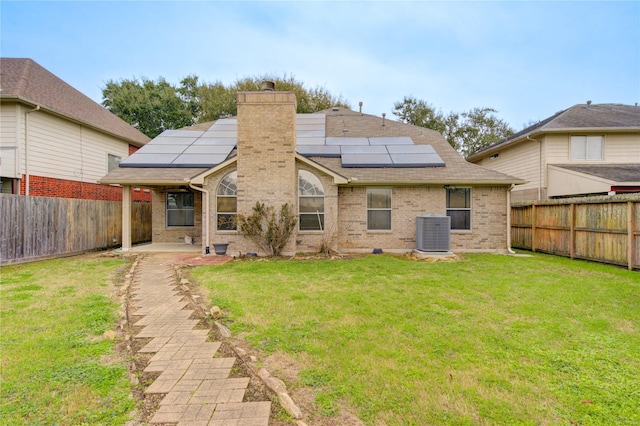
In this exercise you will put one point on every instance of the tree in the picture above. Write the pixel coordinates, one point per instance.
(150, 106)
(467, 132)
(219, 101)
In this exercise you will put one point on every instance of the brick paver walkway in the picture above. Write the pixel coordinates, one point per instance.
(197, 385)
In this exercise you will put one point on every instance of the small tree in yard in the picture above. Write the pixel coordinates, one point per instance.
(270, 231)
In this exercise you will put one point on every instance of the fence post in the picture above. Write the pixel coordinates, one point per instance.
(533, 227)
(572, 230)
(631, 227)
(126, 217)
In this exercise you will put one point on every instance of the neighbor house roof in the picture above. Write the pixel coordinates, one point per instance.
(581, 117)
(620, 173)
(339, 124)
(24, 80)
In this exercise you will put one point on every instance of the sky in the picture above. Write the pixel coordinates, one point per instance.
(525, 59)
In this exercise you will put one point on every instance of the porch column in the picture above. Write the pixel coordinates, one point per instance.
(126, 218)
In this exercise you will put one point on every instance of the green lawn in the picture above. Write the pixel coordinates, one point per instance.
(54, 371)
(486, 340)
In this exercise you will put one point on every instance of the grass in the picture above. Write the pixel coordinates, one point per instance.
(487, 340)
(52, 316)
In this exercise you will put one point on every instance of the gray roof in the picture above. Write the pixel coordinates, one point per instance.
(344, 123)
(613, 172)
(586, 117)
(24, 80)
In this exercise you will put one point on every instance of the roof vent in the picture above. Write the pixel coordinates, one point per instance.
(267, 86)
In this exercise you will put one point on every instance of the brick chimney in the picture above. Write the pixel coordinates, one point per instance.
(266, 149)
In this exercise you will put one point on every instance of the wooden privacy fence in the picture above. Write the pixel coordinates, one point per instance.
(40, 227)
(594, 229)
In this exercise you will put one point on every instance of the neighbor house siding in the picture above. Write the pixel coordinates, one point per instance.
(622, 148)
(10, 138)
(66, 150)
(521, 161)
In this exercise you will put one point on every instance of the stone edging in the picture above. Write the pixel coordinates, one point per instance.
(276, 385)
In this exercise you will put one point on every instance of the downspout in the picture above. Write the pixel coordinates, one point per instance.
(206, 214)
(26, 148)
(539, 165)
(509, 250)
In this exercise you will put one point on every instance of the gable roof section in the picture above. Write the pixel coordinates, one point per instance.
(581, 117)
(24, 80)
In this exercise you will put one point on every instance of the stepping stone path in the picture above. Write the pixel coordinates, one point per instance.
(197, 385)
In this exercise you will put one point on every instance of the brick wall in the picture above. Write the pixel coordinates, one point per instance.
(161, 233)
(266, 151)
(488, 219)
(41, 186)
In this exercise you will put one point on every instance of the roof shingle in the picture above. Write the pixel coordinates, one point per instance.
(23, 79)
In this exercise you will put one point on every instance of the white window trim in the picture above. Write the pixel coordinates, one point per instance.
(324, 217)
(586, 153)
(226, 231)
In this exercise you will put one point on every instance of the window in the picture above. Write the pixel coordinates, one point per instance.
(378, 209)
(310, 202)
(227, 203)
(113, 162)
(459, 208)
(587, 148)
(179, 209)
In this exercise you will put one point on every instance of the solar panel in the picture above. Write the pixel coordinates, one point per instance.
(182, 133)
(410, 149)
(209, 149)
(146, 160)
(318, 150)
(366, 160)
(347, 141)
(363, 149)
(172, 140)
(198, 160)
(417, 160)
(393, 140)
(216, 141)
(161, 149)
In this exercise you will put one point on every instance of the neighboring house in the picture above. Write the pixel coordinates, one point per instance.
(587, 149)
(357, 181)
(55, 141)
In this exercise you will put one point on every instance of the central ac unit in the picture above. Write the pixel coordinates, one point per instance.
(433, 233)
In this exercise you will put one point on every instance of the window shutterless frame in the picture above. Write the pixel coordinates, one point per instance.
(379, 209)
(179, 209)
(459, 208)
(227, 203)
(310, 202)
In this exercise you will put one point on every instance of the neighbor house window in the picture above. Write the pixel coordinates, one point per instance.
(227, 203)
(179, 209)
(587, 148)
(310, 202)
(378, 209)
(113, 162)
(459, 207)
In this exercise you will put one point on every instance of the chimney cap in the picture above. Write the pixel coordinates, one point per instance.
(267, 86)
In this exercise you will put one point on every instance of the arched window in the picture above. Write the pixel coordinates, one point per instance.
(310, 202)
(227, 203)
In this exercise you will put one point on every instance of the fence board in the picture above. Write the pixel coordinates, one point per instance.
(595, 229)
(39, 227)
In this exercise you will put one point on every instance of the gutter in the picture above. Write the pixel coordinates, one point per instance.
(509, 250)
(206, 213)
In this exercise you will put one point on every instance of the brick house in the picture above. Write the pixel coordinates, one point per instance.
(55, 141)
(587, 149)
(358, 181)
